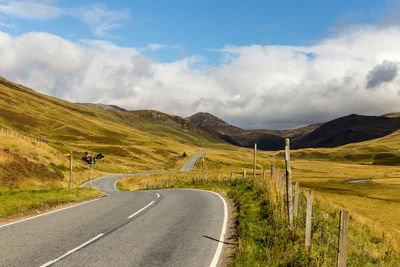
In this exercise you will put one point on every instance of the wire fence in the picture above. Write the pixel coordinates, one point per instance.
(18, 135)
(364, 247)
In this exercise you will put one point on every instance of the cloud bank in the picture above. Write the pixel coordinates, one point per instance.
(256, 86)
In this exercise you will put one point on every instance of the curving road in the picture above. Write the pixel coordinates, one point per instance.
(141, 228)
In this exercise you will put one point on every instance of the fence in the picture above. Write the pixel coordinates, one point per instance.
(18, 135)
(329, 233)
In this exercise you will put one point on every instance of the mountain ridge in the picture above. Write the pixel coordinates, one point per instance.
(344, 130)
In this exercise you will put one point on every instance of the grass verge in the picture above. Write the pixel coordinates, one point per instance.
(261, 232)
(18, 202)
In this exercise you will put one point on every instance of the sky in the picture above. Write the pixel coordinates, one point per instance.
(256, 64)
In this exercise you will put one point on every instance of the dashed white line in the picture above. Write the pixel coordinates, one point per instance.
(142, 209)
(73, 250)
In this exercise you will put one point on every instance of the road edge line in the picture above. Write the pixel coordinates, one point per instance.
(53, 211)
(218, 252)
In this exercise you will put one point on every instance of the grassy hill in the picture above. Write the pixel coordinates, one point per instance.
(34, 176)
(131, 140)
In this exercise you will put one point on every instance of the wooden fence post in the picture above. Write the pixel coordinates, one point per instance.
(343, 228)
(244, 174)
(296, 200)
(308, 219)
(219, 176)
(255, 160)
(289, 196)
(264, 174)
(231, 177)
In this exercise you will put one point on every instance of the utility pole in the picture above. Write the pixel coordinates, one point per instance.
(70, 169)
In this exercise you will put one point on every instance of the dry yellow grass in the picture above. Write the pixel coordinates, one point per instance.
(375, 203)
(24, 162)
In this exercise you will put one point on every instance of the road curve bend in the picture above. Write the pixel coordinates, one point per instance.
(174, 227)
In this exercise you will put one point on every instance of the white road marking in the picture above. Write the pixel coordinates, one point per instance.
(139, 211)
(73, 250)
(224, 225)
(115, 185)
(50, 212)
(223, 231)
(158, 195)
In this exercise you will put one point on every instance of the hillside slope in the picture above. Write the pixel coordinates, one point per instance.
(349, 129)
(131, 140)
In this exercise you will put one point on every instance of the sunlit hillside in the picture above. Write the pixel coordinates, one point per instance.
(131, 140)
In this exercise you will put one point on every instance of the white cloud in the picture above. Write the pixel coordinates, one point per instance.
(100, 19)
(153, 47)
(256, 87)
(30, 10)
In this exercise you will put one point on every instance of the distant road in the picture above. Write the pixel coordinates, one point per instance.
(191, 162)
(139, 228)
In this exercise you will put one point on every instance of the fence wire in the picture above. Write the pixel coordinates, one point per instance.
(381, 240)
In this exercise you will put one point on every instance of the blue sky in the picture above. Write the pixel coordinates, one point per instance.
(187, 28)
(255, 64)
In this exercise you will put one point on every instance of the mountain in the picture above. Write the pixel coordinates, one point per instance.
(341, 131)
(349, 129)
(265, 139)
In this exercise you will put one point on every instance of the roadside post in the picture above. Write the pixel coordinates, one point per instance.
(70, 170)
(91, 171)
(203, 166)
(289, 197)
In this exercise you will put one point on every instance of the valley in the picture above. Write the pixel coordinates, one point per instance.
(34, 175)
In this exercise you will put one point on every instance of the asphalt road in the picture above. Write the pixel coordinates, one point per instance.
(142, 228)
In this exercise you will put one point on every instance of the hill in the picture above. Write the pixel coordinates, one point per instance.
(131, 140)
(349, 129)
(103, 106)
(338, 132)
